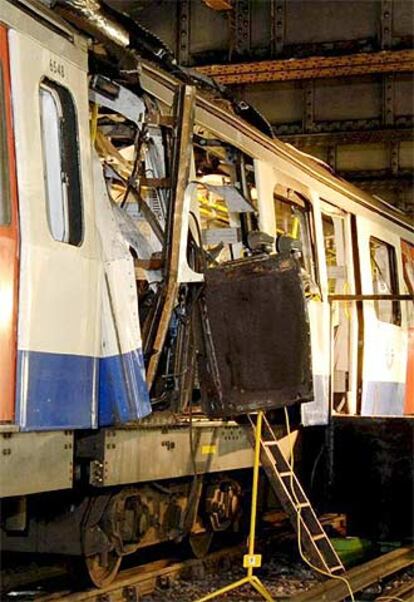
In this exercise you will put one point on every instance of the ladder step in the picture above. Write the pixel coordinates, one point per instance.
(302, 505)
(287, 473)
(269, 443)
(338, 567)
(320, 536)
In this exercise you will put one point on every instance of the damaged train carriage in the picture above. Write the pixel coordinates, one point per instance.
(131, 184)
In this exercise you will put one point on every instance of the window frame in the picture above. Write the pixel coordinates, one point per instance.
(69, 161)
(394, 281)
(304, 205)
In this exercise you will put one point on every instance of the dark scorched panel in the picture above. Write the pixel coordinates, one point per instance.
(254, 342)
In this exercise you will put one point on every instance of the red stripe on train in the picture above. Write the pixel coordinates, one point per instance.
(9, 248)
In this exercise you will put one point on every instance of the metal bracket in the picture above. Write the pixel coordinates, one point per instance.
(388, 99)
(278, 13)
(184, 31)
(386, 24)
(308, 113)
(242, 10)
(130, 593)
(97, 473)
(395, 158)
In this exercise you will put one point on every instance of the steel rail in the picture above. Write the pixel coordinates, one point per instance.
(360, 577)
(402, 591)
(132, 584)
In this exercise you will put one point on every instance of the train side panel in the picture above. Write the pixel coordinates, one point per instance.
(385, 322)
(60, 277)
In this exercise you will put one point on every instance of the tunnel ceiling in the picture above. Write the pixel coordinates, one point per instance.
(334, 77)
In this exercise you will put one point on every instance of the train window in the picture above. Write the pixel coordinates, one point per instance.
(5, 209)
(61, 163)
(293, 219)
(384, 280)
(408, 263)
(334, 240)
(408, 266)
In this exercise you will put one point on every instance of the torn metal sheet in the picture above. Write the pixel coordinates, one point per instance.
(126, 102)
(235, 201)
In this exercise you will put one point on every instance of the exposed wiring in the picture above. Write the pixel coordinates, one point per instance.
(299, 510)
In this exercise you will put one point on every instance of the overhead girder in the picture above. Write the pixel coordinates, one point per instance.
(389, 61)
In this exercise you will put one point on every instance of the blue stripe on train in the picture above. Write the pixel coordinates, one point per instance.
(62, 391)
(123, 392)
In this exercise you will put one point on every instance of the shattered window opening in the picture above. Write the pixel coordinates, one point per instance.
(226, 198)
(293, 219)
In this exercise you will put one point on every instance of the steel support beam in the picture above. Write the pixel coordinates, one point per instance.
(330, 139)
(389, 61)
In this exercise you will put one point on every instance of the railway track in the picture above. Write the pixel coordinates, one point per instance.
(403, 592)
(132, 584)
(361, 577)
(198, 575)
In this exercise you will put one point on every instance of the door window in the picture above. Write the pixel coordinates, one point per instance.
(384, 280)
(334, 241)
(61, 163)
(293, 220)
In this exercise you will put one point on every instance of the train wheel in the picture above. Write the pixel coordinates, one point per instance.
(103, 568)
(200, 543)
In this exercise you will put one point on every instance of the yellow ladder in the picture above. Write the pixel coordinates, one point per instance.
(285, 484)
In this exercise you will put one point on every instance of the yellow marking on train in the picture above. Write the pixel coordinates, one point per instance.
(208, 450)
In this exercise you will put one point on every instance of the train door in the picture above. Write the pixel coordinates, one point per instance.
(340, 281)
(385, 322)
(283, 211)
(60, 277)
(9, 242)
